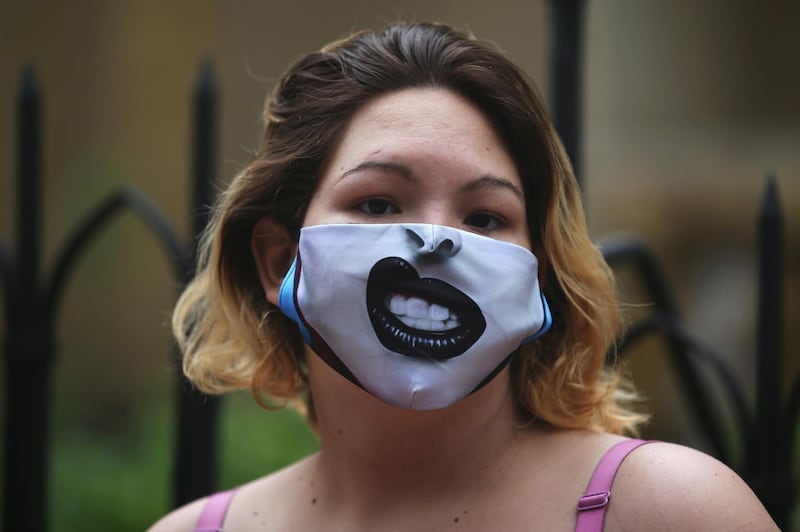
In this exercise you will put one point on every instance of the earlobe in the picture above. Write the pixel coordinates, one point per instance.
(273, 250)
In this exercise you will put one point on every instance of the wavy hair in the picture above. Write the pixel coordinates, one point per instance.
(233, 338)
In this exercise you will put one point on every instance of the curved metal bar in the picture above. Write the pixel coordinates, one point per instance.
(632, 334)
(69, 253)
(671, 327)
(630, 250)
(125, 197)
(155, 219)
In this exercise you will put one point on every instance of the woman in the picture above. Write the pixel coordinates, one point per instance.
(407, 256)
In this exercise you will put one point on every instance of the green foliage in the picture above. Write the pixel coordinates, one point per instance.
(121, 481)
(255, 441)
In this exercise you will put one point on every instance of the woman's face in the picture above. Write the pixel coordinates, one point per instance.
(437, 309)
(423, 156)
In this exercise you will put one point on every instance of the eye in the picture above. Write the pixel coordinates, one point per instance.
(376, 207)
(484, 221)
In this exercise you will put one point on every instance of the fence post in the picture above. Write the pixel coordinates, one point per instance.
(196, 446)
(566, 68)
(29, 338)
(770, 446)
(30, 304)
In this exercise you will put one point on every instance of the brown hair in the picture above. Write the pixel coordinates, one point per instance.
(232, 337)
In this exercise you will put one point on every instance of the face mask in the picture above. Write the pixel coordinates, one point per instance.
(418, 315)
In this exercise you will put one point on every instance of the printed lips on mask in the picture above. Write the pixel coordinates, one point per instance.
(425, 318)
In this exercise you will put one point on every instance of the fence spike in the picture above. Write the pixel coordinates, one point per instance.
(29, 336)
(29, 168)
(204, 146)
(770, 327)
(566, 67)
(767, 445)
(196, 446)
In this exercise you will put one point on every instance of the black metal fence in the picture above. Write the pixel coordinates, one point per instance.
(766, 432)
(32, 303)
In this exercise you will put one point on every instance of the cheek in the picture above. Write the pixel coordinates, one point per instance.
(523, 238)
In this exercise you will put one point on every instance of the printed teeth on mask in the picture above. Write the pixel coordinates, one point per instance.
(417, 313)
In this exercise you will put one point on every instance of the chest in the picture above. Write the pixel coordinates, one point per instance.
(549, 504)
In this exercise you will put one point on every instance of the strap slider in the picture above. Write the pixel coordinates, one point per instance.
(595, 500)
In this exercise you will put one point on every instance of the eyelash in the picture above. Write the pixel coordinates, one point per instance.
(496, 222)
(363, 206)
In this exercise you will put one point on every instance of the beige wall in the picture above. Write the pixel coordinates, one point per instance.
(687, 104)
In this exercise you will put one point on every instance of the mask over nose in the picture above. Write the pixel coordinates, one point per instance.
(418, 315)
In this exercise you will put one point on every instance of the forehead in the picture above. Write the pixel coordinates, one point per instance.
(426, 126)
(420, 109)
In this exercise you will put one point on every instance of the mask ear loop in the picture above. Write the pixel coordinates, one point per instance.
(547, 321)
(287, 302)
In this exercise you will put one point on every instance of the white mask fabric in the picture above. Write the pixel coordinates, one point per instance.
(418, 315)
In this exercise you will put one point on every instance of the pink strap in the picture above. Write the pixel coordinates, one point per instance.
(592, 506)
(213, 514)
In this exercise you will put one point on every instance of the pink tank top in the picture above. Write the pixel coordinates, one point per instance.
(213, 515)
(591, 507)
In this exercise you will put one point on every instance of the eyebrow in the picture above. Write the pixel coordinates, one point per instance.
(490, 181)
(483, 182)
(404, 171)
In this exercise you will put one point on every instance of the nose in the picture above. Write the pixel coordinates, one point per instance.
(434, 240)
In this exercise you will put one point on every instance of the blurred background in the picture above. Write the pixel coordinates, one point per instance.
(686, 107)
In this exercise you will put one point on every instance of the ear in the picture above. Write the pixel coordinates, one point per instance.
(273, 251)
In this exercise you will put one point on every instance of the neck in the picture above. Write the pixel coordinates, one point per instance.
(374, 454)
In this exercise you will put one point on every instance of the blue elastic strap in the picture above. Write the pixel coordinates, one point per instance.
(547, 322)
(287, 303)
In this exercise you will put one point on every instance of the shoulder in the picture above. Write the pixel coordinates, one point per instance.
(663, 486)
(280, 485)
(180, 520)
